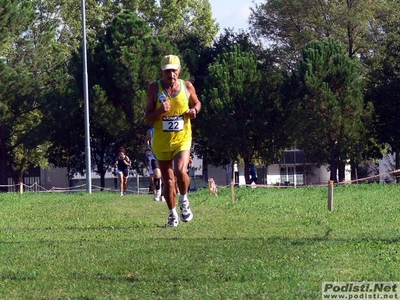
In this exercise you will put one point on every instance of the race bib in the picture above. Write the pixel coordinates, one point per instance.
(173, 123)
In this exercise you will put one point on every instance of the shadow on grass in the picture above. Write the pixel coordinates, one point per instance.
(268, 240)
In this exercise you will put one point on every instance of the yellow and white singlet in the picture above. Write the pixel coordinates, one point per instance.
(173, 131)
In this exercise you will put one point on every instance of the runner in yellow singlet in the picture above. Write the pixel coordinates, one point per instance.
(171, 104)
(173, 132)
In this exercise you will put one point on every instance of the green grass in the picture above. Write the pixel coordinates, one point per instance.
(269, 244)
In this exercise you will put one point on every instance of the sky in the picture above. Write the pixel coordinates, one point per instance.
(232, 13)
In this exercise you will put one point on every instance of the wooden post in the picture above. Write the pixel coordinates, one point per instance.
(21, 187)
(233, 191)
(330, 195)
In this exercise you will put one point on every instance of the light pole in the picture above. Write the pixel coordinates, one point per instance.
(294, 169)
(86, 104)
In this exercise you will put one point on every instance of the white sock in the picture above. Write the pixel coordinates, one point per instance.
(173, 211)
(183, 198)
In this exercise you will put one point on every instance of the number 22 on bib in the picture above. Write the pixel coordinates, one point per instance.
(173, 123)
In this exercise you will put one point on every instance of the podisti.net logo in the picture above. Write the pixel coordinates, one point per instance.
(361, 290)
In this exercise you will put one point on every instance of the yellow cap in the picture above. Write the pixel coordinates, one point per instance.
(170, 62)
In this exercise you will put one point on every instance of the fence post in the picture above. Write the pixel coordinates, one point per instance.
(233, 191)
(330, 195)
(21, 187)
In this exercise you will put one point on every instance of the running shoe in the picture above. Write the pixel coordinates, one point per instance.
(173, 221)
(157, 195)
(186, 212)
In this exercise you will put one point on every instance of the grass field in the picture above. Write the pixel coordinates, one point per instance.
(269, 244)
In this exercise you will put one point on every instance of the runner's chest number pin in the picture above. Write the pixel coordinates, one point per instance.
(173, 123)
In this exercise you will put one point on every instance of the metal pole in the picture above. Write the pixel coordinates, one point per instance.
(138, 183)
(294, 175)
(86, 104)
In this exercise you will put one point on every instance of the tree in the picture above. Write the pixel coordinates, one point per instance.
(28, 71)
(237, 120)
(289, 25)
(182, 19)
(384, 92)
(121, 65)
(178, 20)
(99, 14)
(331, 116)
(198, 58)
(14, 15)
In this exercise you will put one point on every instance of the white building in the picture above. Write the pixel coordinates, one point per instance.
(292, 170)
(386, 165)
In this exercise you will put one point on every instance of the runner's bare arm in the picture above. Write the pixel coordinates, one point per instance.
(195, 104)
(152, 114)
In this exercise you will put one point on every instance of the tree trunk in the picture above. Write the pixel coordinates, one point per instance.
(342, 171)
(204, 170)
(102, 173)
(247, 171)
(354, 173)
(3, 161)
(18, 175)
(397, 163)
(102, 180)
(333, 167)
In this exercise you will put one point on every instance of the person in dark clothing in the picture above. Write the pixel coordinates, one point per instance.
(122, 164)
(253, 174)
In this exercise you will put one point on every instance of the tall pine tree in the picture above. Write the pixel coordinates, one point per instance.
(329, 110)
